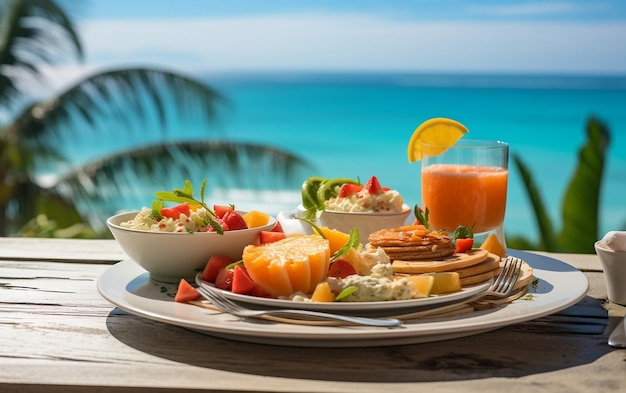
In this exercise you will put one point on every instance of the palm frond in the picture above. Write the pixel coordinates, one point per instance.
(121, 181)
(33, 33)
(544, 224)
(582, 197)
(150, 96)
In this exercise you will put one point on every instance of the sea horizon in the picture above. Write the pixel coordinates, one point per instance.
(357, 124)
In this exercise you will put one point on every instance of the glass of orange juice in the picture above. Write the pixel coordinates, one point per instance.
(466, 184)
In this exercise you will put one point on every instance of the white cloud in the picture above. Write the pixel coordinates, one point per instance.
(357, 42)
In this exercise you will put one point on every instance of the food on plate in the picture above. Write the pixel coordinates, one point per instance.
(493, 245)
(379, 285)
(412, 242)
(294, 264)
(192, 215)
(308, 268)
(445, 282)
(439, 130)
(186, 292)
(347, 195)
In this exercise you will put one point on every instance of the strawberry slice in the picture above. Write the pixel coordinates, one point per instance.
(213, 267)
(234, 221)
(349, 189)
(174, 212)
(373, 186)
(221, 222)
(221, 210)
(341, 268)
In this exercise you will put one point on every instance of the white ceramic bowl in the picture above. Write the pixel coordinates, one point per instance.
(365, 222)
(170, 256)
(614, 267)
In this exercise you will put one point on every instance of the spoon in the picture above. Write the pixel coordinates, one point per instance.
(618, 337)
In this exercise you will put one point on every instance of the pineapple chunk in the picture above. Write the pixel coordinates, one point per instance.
(423, 284)
(322, 293)
(445, 282)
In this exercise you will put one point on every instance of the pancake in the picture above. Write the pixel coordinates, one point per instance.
(490, 264)
(444, 264)
(477, 278)
(411, 242)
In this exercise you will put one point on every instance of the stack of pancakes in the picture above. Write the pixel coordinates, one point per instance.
(411, 242)
(413, 249)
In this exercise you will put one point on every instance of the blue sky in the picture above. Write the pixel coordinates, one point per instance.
(515, 36)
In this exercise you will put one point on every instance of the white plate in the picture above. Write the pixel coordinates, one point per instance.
(392, 306)
(129, 287)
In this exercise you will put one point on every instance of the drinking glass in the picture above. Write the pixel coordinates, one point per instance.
(466, 184)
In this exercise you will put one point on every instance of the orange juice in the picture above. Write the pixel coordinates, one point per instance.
(464, 195)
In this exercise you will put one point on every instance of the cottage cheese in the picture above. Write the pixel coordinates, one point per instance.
(195, 222)
(378, 286)
(363, 201)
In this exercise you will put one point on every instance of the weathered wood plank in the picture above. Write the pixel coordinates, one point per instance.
(57, 334)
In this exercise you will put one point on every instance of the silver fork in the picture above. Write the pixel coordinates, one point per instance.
(504, 284)
(501, 288)
(236, 309)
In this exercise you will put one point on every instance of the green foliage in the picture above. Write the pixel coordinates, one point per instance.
(580, 206)
(143, 97)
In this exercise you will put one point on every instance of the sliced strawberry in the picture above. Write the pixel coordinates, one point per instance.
(349, 189)
(224, 279)
(220, 210)
(463, 245)
(341, 268)
(186, 292)
(174, 212)
(234, 221)
(242, 283)
(221, 222)
(373, 186)
(277, 227)
(270, 236)
(213, 267)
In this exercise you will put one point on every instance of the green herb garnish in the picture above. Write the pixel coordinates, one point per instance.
(422, 216)
(347, 291)
(353, 242)
(182, 195)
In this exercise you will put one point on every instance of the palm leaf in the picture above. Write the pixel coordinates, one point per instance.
(128, 95)
(544, 224)
(117, 182)
(582, 198)
(38, 28)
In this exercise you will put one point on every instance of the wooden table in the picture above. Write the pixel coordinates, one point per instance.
(57, 334)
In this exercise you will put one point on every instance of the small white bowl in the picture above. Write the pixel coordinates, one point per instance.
(365, 222)
(614, 267)
(170, 256)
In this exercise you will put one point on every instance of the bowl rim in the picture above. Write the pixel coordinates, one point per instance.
(110, 224)
(599, 245)
(406, 209)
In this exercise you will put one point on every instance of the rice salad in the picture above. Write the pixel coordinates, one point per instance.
(197, 221)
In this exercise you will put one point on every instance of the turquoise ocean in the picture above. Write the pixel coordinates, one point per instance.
(358, 125)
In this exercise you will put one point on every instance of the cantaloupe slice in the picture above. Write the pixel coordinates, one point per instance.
(322, 293)
(494, 246)
(294, 264)
(336, 238)
(255, 218)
